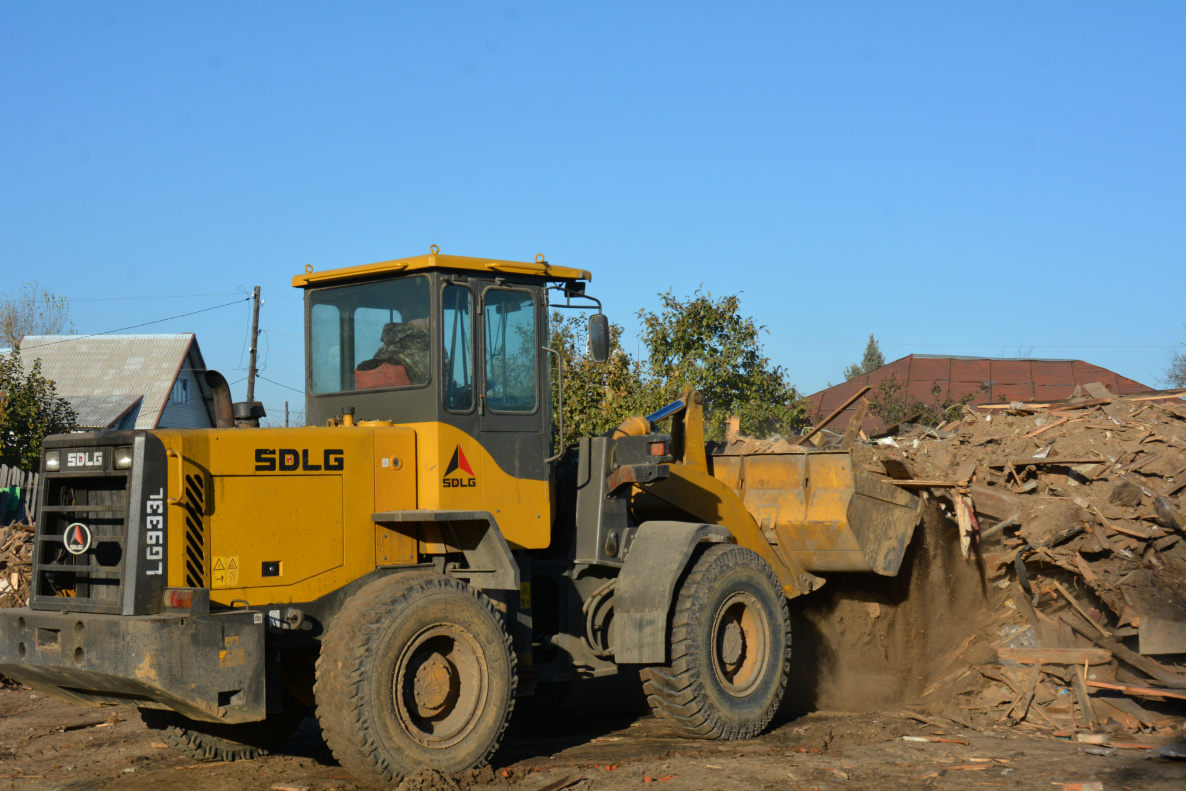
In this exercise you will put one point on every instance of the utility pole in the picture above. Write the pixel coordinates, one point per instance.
(254, 338)
(286, 414)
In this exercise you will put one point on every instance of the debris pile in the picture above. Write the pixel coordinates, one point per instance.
(16, 561)
(1074, 512)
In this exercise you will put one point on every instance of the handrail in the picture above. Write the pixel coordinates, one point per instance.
(559, 402)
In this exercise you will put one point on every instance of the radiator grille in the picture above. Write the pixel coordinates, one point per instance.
(92, 581)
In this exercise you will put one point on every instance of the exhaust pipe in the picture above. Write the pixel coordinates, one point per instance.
(224, 416)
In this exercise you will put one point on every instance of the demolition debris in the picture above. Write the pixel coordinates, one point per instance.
(1074, 512)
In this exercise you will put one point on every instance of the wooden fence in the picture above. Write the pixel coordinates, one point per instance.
(27, 482)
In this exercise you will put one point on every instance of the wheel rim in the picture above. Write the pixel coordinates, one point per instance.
(440, 684)
(740, 644)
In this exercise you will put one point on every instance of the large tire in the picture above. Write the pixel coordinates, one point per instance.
(214, 741)
(415, 671)
(730, 649)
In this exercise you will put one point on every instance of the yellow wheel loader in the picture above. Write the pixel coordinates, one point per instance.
(424, 551)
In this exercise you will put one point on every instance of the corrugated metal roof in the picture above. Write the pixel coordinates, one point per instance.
(113, 365)
(989, 379)
(97, 411)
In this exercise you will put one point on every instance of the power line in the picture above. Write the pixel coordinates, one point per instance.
(282, 373)
(164, 296)
(278, 384)
(135, 326)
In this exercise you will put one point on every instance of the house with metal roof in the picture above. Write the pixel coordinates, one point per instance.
(126, 381)
(990, 380)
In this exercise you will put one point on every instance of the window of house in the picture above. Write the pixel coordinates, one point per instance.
(181, 391)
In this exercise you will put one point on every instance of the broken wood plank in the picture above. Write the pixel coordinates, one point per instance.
(1157, 395)
(1026, 607)
(1078, 684)
(1011, 470)
(820, 426)
(1084, 567)
(996, 675)
(1161, 635)
(1106, 707)
(923, 484)
(1141, 692)
(1059, 461)
(1042, 713)
(1128, 531)
(1056, 656)
(1126, 655)
(1149, 458)
(854, 425)
(938, 723)
(1075, 603)
(1047, 427)
(1021, 706)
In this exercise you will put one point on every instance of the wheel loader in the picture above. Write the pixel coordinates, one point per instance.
(432, 546)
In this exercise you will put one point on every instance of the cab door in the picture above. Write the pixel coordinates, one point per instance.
(512, 394)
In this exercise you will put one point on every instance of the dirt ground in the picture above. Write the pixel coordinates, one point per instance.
(604, 740)
(865, 651)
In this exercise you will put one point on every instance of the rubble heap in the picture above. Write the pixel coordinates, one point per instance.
(16, 560)
(1074, 511)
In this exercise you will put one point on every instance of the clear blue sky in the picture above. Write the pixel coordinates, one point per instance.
(966, 178)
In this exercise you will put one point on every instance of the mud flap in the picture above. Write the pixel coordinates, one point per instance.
(658, 556)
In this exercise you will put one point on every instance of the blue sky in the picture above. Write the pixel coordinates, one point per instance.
(965, 178)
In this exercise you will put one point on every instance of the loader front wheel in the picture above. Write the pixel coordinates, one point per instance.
(730, 648)
(415, 671)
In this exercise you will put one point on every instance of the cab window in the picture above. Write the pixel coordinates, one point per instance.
(370, 336)
(457, 341)
(509, 323)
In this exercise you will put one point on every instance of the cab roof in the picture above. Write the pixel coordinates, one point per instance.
(435, 260)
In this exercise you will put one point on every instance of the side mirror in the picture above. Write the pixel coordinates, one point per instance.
(599, 337)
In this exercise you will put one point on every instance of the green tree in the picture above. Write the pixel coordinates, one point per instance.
(30, 410)
(1175, 372)
(872, 360)
(597, 396)
(707, 343)
(892, 404)
(31, 310)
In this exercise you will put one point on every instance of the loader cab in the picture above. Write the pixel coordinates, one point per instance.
(437, 339)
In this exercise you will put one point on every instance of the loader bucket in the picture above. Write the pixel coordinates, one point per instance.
(822, 513)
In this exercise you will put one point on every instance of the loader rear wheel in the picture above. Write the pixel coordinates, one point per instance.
(415, 671)
(214, 741)
(730, 648)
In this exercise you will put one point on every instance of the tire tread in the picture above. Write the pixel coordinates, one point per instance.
(349, 644)
(676, 691)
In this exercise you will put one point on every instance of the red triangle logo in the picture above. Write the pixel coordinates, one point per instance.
(459, 462)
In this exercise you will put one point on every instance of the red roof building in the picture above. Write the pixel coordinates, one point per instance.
(1003, 379)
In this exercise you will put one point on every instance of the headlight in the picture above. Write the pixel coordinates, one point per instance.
(123, 458)
(53, 461)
